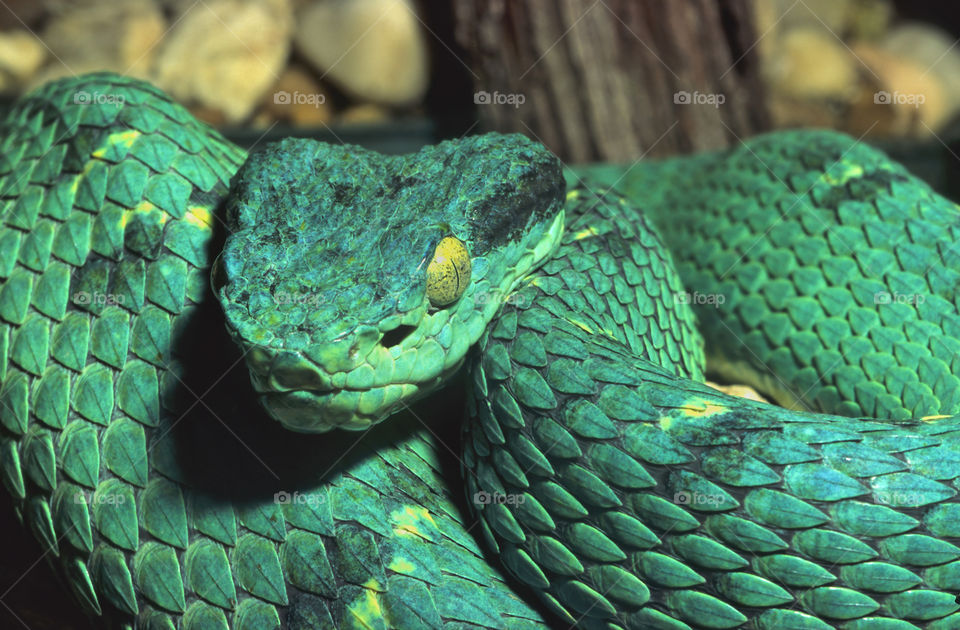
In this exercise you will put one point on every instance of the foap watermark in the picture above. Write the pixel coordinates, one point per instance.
(298, 98)
(699, 299)
(697, 498)
(496, 296)
(898, 98)
(698, 98)
(98, 498)
(298, 498)
(498, 98)
(482, 497)
(83, 97)
(885, 297)
(84, 298)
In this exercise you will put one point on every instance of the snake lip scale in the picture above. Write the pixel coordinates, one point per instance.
(175, 439)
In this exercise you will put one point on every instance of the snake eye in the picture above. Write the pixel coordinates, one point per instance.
(448, 274)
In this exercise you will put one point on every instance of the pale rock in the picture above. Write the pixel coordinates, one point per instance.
(933, 49)
(870, 19)
(225, 54)
(117, 36)
(364, 114)
(841, 18)
(810, 64)
(374, 50)
(836, 20)
(907, 99)
(810, 77)
(299, 99)
(21, 55)
(828, 14)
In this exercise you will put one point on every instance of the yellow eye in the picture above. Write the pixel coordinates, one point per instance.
(448, 274)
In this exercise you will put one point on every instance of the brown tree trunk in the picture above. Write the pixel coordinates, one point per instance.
(615, 79)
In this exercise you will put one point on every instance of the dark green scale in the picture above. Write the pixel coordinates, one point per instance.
(619, 488)
(667, 504)
(110, 214)
(838, 271)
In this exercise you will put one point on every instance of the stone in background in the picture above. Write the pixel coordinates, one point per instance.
(225, 54)
(845, 64)
(374, 50)
(21, 55)
(231, 61)
(87, 36)
(297, 98)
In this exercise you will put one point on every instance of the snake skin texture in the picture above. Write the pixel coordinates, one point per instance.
(838, 269)
(632, 498)
(613, 488)
(140, 493)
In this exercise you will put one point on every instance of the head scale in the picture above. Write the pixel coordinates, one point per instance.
(356, 281)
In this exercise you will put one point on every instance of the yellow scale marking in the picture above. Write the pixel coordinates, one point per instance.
(585, 233)
(127, 137)
(145, 208)
(368, 610)
(702, 409)
(75, 185)
(580, 325)
(199, 217)
(401, 565)
(851, 171)
(407, 521)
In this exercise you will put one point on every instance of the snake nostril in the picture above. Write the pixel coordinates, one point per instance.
(396, 336)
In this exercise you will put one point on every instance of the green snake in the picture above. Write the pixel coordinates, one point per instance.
(171, 308)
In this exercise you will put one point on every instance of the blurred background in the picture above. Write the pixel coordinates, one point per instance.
(874, 68)
(592, 79)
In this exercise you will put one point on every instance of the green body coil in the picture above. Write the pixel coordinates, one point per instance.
(634, 498)
(606, 478)
(126, 410)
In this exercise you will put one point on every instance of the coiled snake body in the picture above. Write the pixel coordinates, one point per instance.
(614, 489)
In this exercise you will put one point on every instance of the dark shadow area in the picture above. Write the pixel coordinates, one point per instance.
(226, 444)
(33, 595)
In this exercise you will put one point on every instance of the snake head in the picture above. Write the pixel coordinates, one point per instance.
(356, 282)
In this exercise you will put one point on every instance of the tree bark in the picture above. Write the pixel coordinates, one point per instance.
(614, 80)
